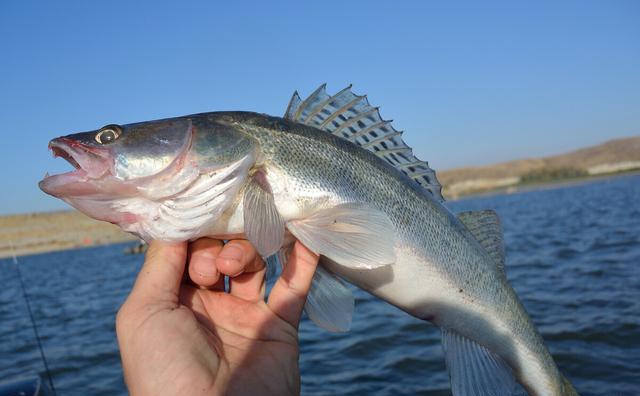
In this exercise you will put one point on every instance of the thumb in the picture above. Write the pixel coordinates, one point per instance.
(161, 274)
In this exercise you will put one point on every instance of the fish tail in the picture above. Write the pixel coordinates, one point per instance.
(567, 388)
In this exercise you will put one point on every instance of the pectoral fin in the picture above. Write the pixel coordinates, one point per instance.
(263, 225)
(353, 235)
(277, 260)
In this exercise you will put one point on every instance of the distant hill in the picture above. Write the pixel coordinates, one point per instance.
(44, 232)
(610, 157)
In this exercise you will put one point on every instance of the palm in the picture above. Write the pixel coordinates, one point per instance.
(246, 339)
(202, 341)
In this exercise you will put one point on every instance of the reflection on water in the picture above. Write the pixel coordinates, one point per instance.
(572, 256)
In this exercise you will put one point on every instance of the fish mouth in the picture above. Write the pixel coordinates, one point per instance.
(89, 163)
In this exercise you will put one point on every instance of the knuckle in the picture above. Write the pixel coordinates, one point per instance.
(204, 243)
(243, 244)
(122, 318)
(296, 291)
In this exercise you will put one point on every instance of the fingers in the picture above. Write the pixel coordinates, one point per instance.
(238, 256)
(202, 268)
(289, 294)
(240, 260)
(210, 261)
(249, 286)
(161, 274)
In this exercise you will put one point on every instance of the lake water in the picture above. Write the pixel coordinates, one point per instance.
(573, 257)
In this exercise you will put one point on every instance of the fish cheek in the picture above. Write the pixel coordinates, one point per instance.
(147, 149)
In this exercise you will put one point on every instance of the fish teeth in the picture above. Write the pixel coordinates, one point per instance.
(46, 175)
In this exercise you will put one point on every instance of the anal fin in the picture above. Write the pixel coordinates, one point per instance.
(473, 369)
(330, 303)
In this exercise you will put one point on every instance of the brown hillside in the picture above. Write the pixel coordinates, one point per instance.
(44, 232)
(613, 155)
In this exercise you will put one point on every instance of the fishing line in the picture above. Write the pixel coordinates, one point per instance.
(33, 322)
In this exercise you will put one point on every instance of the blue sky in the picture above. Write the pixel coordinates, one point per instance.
(470, 82)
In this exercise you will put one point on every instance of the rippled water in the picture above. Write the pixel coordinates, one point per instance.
(573, 256)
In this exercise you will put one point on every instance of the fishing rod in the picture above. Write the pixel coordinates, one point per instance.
(33, 322)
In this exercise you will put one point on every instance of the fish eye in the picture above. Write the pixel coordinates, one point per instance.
(108, 134)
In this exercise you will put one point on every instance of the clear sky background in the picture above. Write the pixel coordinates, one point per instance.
(471, 83)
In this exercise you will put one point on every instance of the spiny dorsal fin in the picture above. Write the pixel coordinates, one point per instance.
(486, 228)
(351, 117)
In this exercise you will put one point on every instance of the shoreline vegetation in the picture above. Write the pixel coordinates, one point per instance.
(33, 233)
(545, 184)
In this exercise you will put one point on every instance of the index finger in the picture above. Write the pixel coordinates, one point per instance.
(289, 293)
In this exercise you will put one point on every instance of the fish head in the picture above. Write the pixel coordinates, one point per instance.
(114, 158)
(123, 173)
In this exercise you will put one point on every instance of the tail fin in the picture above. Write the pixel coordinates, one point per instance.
(567, 388)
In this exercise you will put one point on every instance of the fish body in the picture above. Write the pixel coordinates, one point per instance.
(272, 179)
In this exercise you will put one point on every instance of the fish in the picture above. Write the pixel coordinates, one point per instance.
(335, 175)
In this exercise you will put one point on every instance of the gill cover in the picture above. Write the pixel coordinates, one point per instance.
(146, 149)
(162, 158)
(182, 195)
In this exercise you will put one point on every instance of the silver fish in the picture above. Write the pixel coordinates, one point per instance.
(336, 176)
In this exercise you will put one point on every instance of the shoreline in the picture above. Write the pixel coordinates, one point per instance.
(34, 233)
(520, 188)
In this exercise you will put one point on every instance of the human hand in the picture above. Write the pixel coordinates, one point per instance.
(179, 339)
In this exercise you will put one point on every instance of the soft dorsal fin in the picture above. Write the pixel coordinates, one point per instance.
(486, 228)
(351, 117)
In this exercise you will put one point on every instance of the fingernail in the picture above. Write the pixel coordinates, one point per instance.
(208, 272)
(229, 267)
(232, 252)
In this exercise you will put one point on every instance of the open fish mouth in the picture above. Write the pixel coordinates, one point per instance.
(89, 163)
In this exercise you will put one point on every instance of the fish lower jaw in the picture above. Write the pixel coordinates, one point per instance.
(65, 184)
